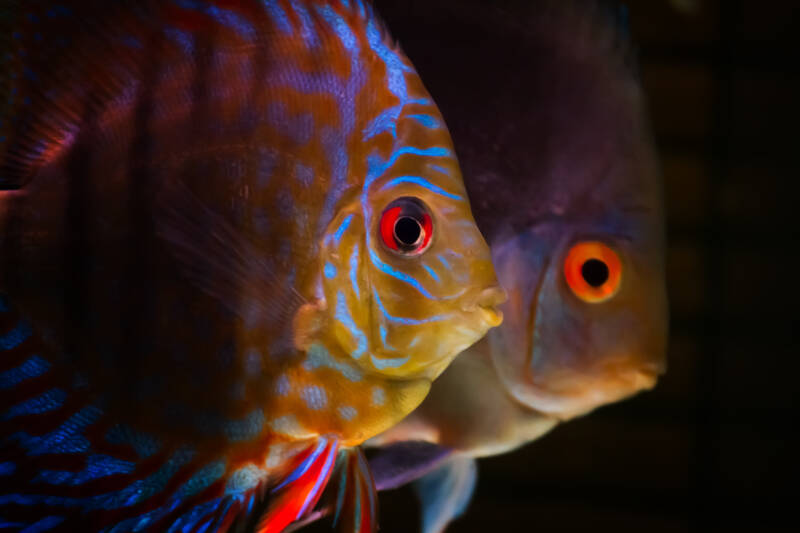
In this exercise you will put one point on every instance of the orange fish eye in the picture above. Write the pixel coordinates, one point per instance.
(593, 271)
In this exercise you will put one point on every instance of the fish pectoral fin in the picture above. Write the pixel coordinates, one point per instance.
(300, 490)
(308, 321)
(356, 499)
(400, 463)
(219, 259)
(446, 492)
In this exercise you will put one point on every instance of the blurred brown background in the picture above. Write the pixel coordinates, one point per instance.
(709, 448)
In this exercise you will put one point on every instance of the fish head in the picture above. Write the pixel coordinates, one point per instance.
(585, 321)
(566, 188)
(414, 285)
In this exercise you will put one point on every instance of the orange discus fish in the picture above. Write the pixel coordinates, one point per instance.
(234, 244)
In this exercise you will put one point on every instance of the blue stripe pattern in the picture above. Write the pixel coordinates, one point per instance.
(97, 466)
(224, 17)
(422, 182)
(426, 120)
(16, 336)
(145, 445)
(405, 321)
(322, 475)
(342, 315)
(32, 367)
(392, 362)
(48, 401)
(278, 16)
(68, 438)
(354, 272)
(402, 276)
(203, 478)
(308, 31)
(307, 462)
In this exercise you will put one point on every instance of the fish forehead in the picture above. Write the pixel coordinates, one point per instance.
(568, 140)
(573, 159)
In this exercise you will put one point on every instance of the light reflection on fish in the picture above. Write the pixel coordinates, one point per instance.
(235, 241)
(565, 187)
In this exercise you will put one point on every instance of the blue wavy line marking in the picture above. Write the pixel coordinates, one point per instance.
(279, 16)
(322, 475)
(441, 169)
(354, 271)
(337, 236)
(376, 168)
(16, 336)
(300, 470)
(432, 273)
(32, 367)
(403, 320)
(343, 316)
(308, 31)
(389, 363)
(422, 182)
(227, 18)
(402, 276)
(48, 401)
(429, 121)
(339, 26)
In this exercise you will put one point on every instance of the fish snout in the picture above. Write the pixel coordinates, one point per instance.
(486, 302)
(654, 367)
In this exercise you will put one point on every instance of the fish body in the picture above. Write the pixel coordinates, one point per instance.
(565, 187)
(237, 235)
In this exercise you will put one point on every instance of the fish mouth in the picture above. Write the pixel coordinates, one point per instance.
(491, 315)
(485, 304)
(580, 398)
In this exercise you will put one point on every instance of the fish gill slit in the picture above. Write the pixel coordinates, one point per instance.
(534, 306)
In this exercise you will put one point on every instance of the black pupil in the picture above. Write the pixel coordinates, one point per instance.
(407, 231)
(595, 272)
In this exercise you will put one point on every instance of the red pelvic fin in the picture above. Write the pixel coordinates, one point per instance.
(301, 489)
(356, 501)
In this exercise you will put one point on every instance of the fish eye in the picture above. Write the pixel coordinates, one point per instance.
(406, 226)
(593, 271)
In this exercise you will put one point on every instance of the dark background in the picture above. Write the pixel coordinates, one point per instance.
(709, 449)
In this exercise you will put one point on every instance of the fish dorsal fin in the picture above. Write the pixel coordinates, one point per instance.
(446, 492)
(59, 66)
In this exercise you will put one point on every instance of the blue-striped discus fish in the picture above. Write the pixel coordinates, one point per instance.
(234, 244)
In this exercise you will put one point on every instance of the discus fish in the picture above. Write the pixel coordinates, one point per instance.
(557, 156)
(235, 244)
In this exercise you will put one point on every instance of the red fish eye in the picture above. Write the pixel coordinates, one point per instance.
(406, 226)
(593, 271)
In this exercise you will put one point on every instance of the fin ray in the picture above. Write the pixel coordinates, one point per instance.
(446, 492)
(219, 260)
(303, 488)
(356, 501)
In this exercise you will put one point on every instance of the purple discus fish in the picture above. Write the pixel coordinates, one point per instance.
(548, 119)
